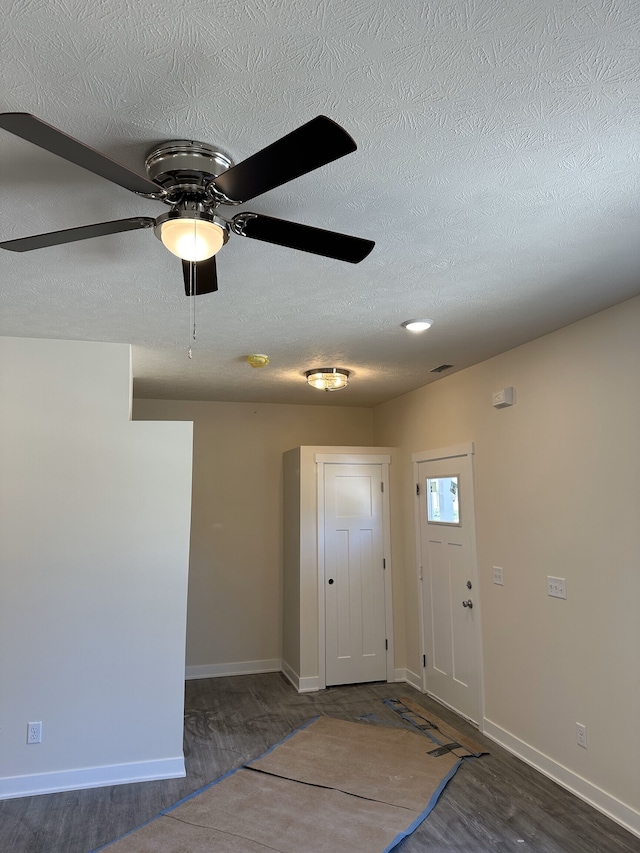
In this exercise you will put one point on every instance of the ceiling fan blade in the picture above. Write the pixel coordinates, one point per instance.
(330, 244)
(71, 235)
(201, 277)
(312, 145)
(51, 139)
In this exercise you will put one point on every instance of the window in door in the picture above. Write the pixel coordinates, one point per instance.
(443, 506)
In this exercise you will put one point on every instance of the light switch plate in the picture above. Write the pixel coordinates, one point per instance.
(556, 587)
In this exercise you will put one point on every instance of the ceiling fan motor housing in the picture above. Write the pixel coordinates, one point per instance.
(185, 168)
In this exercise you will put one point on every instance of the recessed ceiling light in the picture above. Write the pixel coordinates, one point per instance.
(417, 325)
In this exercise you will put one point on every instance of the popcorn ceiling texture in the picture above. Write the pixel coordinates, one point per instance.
(498, 171)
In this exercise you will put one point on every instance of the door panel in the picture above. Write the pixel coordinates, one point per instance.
(450, 630)
(368, 603)
(440, 589)
(354, 574)
(341, 576)
(352, 496)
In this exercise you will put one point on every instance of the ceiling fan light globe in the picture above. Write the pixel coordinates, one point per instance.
(192, 239)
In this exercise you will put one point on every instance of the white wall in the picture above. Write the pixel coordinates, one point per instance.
(235, 581)
(94, 537)
(557, 493)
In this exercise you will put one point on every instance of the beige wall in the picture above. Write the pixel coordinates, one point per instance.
(94, 544)
(235, 582)
(557, 493)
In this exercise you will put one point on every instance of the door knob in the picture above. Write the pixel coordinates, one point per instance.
(468, 603)
(330, 580)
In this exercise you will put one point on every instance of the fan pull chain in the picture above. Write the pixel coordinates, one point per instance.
(191, 320)
(192, 301)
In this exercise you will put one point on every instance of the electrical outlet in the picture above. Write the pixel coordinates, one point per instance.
(34, 732)
(498, 576)
(581, 735)
(556, 587)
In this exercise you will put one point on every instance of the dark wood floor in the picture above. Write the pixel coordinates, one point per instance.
(496, 803)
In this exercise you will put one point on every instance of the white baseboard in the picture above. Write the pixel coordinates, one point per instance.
(302, 685)
(90, 777)
(410, 677)
(245, 667)
(615, 809)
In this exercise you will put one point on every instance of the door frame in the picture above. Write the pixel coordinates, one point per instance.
(457, 450)
(384, 460)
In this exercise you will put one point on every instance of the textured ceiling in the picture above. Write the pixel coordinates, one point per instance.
(498, 171)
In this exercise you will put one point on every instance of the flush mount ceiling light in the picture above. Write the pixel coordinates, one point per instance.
(417, 325)
(327, 378)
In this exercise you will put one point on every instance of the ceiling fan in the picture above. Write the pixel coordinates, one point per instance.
(195, 180)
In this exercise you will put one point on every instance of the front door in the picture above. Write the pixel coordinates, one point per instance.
(448, 579)
(354, 574)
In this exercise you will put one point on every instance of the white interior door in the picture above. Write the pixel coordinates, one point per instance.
(448, 580)
(354, 574)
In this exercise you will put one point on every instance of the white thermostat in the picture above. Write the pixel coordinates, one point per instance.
(502, 399)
